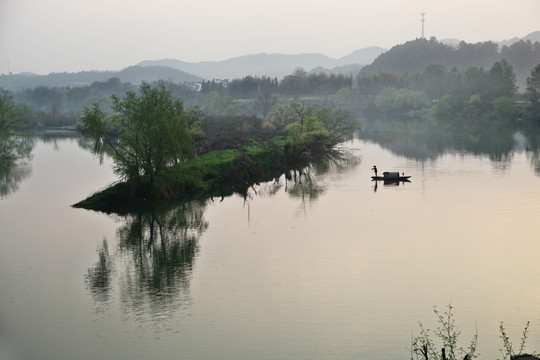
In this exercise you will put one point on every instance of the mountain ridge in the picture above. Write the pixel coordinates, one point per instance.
(263, 64)
(133, 74)
(273, 65)
(415, 56)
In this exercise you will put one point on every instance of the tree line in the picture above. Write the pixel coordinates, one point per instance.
(151, 132)
(406, 89)
(416, 55)
(473, 93)
(61, 106)
(299, 83)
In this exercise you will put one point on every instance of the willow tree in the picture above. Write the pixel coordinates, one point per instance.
(148, 132)
(8, 122)
(14, 121)
(316, 131)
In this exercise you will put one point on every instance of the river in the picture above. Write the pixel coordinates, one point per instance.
(330, 266)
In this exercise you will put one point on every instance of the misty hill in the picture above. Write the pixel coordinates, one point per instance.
(271, 65)
(133, 74)
(345, 70)
(415, 56)
(532, 37)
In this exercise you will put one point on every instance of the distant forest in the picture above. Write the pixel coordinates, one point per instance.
(133, 74)
(415, 56)
(403, 80)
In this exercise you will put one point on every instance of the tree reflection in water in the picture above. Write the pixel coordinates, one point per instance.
(534, 158)
(99, 276)
(532, 148)
(424, 140)
(305, 184)
(304, 187)
(15, 167)
(156, 250)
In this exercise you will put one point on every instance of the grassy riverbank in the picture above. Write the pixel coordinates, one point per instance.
(216, 173)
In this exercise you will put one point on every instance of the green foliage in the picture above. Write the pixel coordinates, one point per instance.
(523, 55)
(508, 351)
(533, 85)
(285, 114)
(13, 167)
(210, 86)
(392, 100)
(316, 131)
(250, 87)
(230, 132)
(447, 333)
(73, 99)
(264, 103)
(7, 115)
(412, 57)
(216, 172)
(14, 120)
(154, 132)
(372, 85)
(465, 79)
(219, 164)
(185, 178)
(301, 83)
(61, 106)
(436, 81)
(474, 116)
(532, 110)
(415, 56)
(25, 114)
(504, 110)
(475, 103)
(195, 120)
(474, 81)
(503, 80)
(347, 99)
(420, 65)
(339, 124)
(218, 103)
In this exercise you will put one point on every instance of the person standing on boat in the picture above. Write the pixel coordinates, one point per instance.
(374, 168)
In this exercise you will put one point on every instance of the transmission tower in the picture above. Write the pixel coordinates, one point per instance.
(423, 24)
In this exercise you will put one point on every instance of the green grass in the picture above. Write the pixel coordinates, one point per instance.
(214, 173)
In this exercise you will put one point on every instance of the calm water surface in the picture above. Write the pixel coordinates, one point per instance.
(332, 267)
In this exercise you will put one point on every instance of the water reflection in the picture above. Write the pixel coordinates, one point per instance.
(306, 184)
(534, 158)
(532, 146)
(302, 184)
(152, 265)
(389, 183)
(16, 167)
(100, 275)
(157, 247)
(424, 140)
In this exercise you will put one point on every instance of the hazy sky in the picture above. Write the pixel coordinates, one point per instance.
(46, 36)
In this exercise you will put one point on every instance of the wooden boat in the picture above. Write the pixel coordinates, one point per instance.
(391, 177)
(383, 178)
